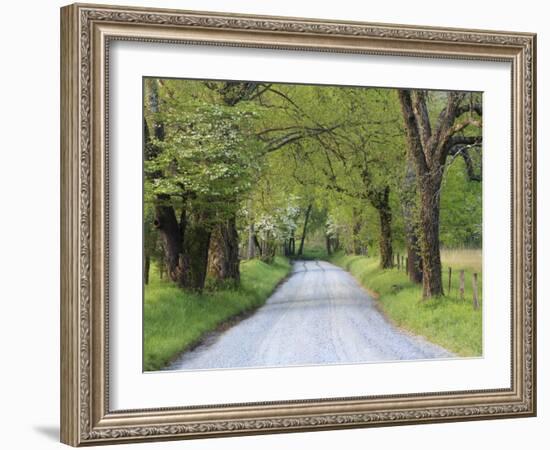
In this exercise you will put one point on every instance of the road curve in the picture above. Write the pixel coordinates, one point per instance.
(319, 315)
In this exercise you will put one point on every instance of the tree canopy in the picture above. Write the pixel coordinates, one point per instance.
(235, 170)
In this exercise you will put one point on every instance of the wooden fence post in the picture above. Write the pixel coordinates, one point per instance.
(474, 288)
(461, 285)
(450, 274)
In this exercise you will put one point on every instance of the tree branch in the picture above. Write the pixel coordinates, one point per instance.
(467, 107)
(279, 142)
(457, 127)
(459, 140)
(413, 133)
(461, 146)
(422, 118)
(446, 127)
(470, 167)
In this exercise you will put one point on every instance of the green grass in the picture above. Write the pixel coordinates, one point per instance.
(448, 321)
(174, 320)
(463, 258)
(313, 253)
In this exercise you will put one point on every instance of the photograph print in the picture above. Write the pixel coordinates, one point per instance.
(294, 224)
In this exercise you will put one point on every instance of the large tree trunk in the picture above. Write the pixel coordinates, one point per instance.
(223, 258)
(172, 238)
(408, 204)
(428, 148)
(414, 260)
(195, 252)
(301, 248)
(429, 244)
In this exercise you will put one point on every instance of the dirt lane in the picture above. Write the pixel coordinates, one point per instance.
(320, 315)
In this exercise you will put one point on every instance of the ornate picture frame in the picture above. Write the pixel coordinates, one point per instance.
(87, 31)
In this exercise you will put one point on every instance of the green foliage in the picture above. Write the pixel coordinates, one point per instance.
(207, 153)
(461, 208)
(265, 153)
(315, 252)
(174, 320)
(450, 322)
(269, 156)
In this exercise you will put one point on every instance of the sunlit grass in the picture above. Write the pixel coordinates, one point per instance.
(173, 319)
(448, 321)
(463, 258)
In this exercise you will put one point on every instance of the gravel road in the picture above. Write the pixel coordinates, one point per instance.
(319, 315)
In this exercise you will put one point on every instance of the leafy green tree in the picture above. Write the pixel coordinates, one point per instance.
(203, 162)
(431, 139)
(246, 168)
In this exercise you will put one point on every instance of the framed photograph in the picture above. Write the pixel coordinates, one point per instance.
(274, 224)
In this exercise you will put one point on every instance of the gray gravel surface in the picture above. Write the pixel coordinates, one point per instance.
(319, 315)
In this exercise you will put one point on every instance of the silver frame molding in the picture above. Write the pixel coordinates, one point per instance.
(86, 31)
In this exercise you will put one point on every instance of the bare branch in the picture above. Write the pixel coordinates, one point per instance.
(260, 91)
(294, 104)
(272, 130)
(279, 142)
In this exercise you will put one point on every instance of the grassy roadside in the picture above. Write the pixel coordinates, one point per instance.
(448, 321)
(174, 320)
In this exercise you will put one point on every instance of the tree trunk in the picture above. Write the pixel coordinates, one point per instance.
(428, 148)
(287, 247)
(146, 268)
(161, 269)
(356, 229)
(257, 244)
(223, 258)
(308, 212)
(414, 261)
(380, 199)
(429, 244)
(267, 249)
(171, 235)
(327, 243)
(408, 203)
(195, 252)
(336, 243)
(251, 243)
(386, 250)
